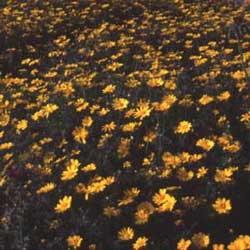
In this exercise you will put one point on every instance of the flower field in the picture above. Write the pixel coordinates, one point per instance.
(124, 125)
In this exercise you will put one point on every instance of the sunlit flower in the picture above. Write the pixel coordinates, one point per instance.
(143, 110)
(201, 172)
(183, 244)
(126, 233)
(87, 121)
(139, 243)
(21, 125)
(2, 180)
(88, 168)
(183, 127)
(222, 206)
(238, 75)
(141, 217)
(71, 170)
(6, 145)
(205, 99)
(245, 117)
(164, 201)
(224, 96)
(4, 119)
(64, 204)
(223, 175)
(109, 89)
(74, 241)
(242, 242)
(155, 82)
(120, 103)
(205, 144)
(80, 134)
(129, 196)
(46, 188)
(109, 127)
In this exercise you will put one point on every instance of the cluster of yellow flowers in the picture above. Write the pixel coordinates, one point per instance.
(125, 124)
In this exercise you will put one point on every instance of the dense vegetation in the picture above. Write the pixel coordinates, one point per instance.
(124, 125)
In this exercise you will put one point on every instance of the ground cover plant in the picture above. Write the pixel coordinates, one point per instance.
(124, 125)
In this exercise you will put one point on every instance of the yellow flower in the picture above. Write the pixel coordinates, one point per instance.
(170, 85)
(160, 197)
(140, 242)
(126, 164)
(164, 201)
(223, 175)
(109, 127)
(109, 89)
(87, 121)
(103, 111)
(165, 104)
(129, 196)
(81, 104)
(241, 243)
(37, 115)
(185, 157)
(130, 127)
(1, 134)
(46, 188)
(224, 96)
(120, 103)
(238, 75)
(114, 66)
(200, 240)
(205, 144)
(45, 111)
(4, 119)
(80, 134)
(48, 109)
(126, 233)
(245, 117)
(6, 145)
(183, 244)
(143, 110)
(64, 204)
(155, 82)
(74, 241)
(201, 172)
(205, 99)
(222, 206)
(21, 125)
(183, 127)
(2, 180)
(88, 168)
(71, 170)
(141, 217)
(200, 61)
(211, 53)
(150, 136)
(96, 184)
(234, 147)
